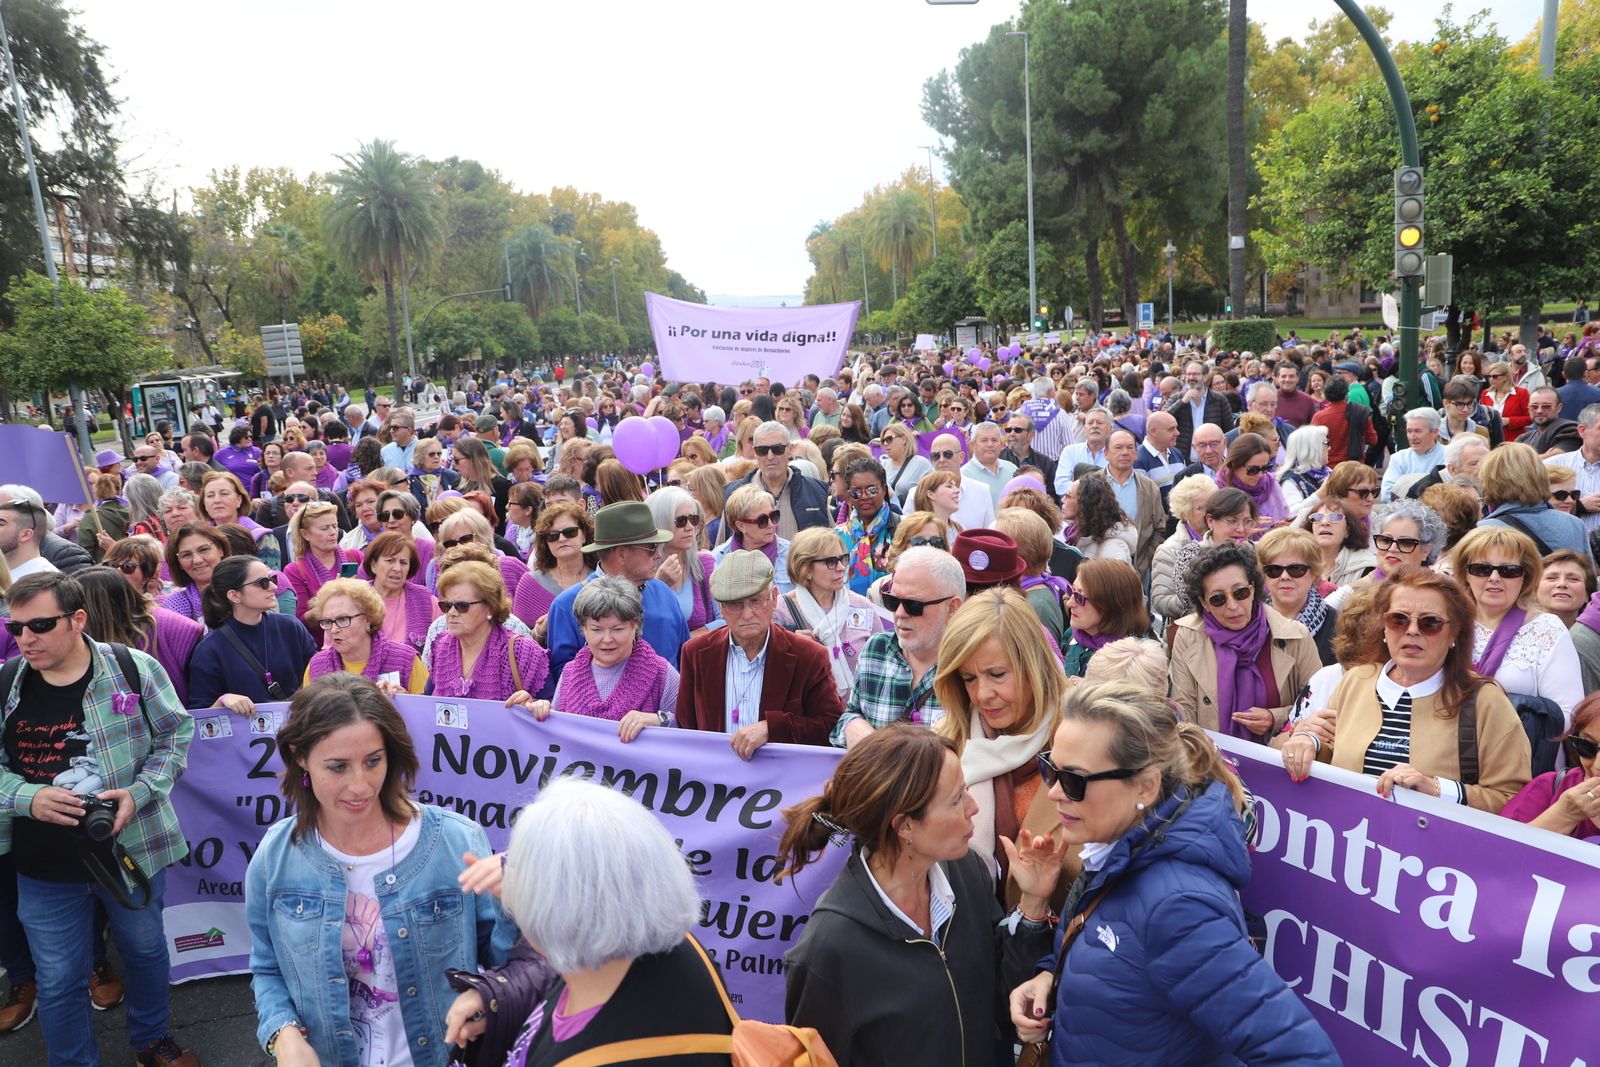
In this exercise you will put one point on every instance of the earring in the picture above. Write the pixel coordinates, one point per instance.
(1139, 806)
(305, 783)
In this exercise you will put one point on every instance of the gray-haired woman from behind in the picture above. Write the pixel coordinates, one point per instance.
(627, 968)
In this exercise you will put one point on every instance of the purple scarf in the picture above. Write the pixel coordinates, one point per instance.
(386, 657)
(1590, 616)
(638, 689)
(1239, 683)
(1059, 585)
(1092, 642)
(1069, 533)
(770, 549)
(1500, 641)
(1266, 494)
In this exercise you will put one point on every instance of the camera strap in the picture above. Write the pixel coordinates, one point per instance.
(110, 865)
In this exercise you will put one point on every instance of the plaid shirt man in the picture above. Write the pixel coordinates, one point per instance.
(885, 693)
(129, 757)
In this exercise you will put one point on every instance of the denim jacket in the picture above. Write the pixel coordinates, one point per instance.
(295, 901)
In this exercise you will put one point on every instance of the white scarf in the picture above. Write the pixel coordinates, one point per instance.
(982, 761)
(828, 626)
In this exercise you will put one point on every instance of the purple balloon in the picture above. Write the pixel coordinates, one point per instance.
(983, 362)
(647, 369)
(667, 439)
(1023, 481)
(634, 442)
(974, 352)
(949, 368)
(592, 424)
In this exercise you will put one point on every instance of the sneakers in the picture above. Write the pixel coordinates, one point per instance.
(19, 1007)
(105, 988)
(167, 1053)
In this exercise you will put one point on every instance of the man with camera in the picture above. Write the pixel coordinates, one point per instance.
(86, 766)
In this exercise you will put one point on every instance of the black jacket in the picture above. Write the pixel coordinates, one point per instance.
(1217, 411)
(1046, 465)
(808, 498)
(879, 993)
(65, 556)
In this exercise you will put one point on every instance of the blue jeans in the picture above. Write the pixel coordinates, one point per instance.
(58, 917)
(14, 954)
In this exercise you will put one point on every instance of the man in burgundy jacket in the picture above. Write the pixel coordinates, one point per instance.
(750, 679)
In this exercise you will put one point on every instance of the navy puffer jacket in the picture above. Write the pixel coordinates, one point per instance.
(1163, 971)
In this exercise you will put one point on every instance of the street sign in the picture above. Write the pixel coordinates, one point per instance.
(1147, 316)
(280, 345)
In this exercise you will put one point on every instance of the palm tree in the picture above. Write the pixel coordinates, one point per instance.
(283, 251)
(542, 265)
(382, 218)
(1238, 169)
(897, 233)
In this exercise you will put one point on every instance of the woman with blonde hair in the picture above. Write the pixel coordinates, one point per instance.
(903, 464)
(477, 655)
(1525, 649)
(698, 452)
(789, 414)
(1045, 591)
(350, 615)
(1187, 502)
(467, 526)
(1139, 660)
(223, 499)
(1001, 686)
(742, 442)
(314, 533)
(1516, 492)
(1508, 398)
(752, 518)
(706, 485)
(940, 493)
(822, 606)
(523, 462)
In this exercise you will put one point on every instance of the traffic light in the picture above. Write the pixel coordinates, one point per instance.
(1041, 321)
(1409, 258)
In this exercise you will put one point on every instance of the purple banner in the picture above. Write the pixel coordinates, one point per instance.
(46, 461)
(486, 762)
(702, 343)
(1417, 929)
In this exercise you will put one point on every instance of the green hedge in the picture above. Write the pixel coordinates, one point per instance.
(1246, 335)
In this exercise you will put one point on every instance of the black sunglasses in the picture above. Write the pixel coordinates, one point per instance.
(1564, 494)
(463, 606)
(1219, 598)
(464, 539)
(1254, 470)
(1364, 494)
(1404, 544)
(298, 498)
(831, 562)
(931, 542)
(127, 566)
(682, 522)
(946, 454)
(553, 536)
(914, 608)
(1583, 747)
(1073, 784)
(763, 521)
(1504, 570)
(41, 625)
(265, 582)
(392, 516)
(1019, 429)
(770, 450)
(1276, 570)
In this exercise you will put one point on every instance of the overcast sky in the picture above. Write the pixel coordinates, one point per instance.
(731, 126)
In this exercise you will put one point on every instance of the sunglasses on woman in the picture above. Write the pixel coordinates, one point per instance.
(1564, 494)
(1384, 543)
(1254, 470)
(1504, 570)
(871, 492)
(464, 539)
(1365, 494)
(298, 498)
(764, 521)
(914, 608)
(127, 566)
(1073, 784)
(833, 562)
(683, 522)
(1219, 598)
(552, 536)
(1583, 747)
(1328, 517)
(267, 583)
(931, 542)
(391, 516)
(1427, 625)
(39, 626)
(1277, 570)
(459, 606)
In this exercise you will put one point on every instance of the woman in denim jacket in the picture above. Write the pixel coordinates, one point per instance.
(354, 907)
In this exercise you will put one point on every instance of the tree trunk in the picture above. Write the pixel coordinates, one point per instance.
(1097, 300)
(394, 326)
(1528, 327)
(1238, 169)
(1129, 257)
(1454, 317)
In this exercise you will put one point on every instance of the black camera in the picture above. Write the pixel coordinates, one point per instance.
(99, 819)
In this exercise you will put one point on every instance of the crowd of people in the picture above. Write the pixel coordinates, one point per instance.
(1017, 588)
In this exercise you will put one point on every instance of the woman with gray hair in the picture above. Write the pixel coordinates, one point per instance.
(627, 966)
(144, 507)
(1406, 531)
(1305, 466)
(616, 675)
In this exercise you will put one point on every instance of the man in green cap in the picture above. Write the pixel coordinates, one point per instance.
(750, 679)
(626, 545)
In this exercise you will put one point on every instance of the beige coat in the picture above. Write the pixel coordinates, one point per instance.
(1504, 758)
(1194, 667)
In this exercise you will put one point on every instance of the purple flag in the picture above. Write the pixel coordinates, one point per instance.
(1418, 929)
(486, 762)
(43, 460)
(702, 343)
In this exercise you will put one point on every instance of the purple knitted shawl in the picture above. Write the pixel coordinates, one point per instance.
(175, 639)
(639, 688)
(185, 602)
(491, 677)
(387, 656)
(419, 614)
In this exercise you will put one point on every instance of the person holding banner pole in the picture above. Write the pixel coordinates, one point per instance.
(1163, 971)
(907, 952)
(354, 907)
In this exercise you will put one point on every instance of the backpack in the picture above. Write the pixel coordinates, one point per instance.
(1542, 720)
(130, 675)
(752, 1044)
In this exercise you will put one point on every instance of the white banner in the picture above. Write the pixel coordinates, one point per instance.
(701, 343)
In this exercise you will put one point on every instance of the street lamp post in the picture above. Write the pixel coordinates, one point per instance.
(866, 297)
(577, 286)
(1027, 127)
(933, 200)
(1171, 250)
(616, 305)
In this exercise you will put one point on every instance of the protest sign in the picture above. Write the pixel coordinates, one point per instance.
(1415, 928)
(926, 342)
(486, 762)
(700, 343)
(45, 460)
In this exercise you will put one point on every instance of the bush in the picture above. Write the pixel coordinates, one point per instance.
(1245, 335)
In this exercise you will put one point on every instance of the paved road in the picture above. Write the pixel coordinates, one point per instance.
(215, 1017)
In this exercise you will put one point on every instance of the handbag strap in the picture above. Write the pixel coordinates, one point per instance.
(511, 657)
(1467, 739)
(716, 980)
(233, 639)
(1075, 927)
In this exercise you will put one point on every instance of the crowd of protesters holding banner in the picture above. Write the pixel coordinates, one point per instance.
(1017, 585)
